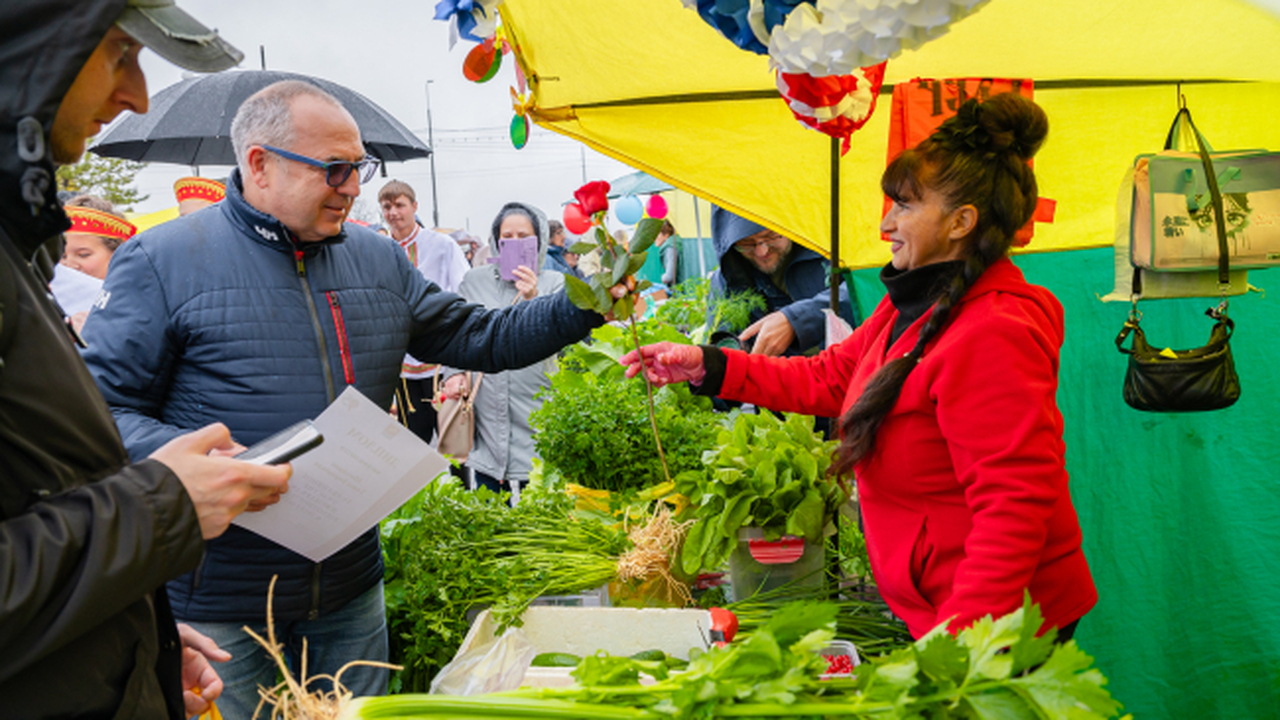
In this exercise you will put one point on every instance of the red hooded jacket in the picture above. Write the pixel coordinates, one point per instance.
(965, 495)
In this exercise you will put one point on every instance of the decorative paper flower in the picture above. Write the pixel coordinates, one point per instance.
(836, 105)
(834, 37)
(593, 197)
(775, 12)
(730, 18)
(476, 19)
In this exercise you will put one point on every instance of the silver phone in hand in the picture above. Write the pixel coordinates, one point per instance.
(284, 445)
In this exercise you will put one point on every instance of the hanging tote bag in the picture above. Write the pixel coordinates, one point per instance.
(1203, 378)
(1173, 219)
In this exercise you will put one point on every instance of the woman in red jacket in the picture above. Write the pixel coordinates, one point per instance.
(946, 393)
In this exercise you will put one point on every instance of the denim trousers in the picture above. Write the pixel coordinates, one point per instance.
(356, 632)
(496, 485)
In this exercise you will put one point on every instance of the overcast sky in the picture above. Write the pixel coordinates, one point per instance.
(387, 50)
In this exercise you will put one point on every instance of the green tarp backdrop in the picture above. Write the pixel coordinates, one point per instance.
(1180, 512)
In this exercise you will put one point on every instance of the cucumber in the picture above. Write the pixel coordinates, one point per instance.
(675, 663)
(555, 659)
(651, 655)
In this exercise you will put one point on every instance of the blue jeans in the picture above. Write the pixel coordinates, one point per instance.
(356, 632)
(498, 486)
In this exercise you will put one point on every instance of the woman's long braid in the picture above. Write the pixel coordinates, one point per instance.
(984, 163)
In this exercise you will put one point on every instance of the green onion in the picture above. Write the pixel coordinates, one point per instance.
(484, 706)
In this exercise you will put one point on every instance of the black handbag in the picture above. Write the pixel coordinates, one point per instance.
(1181, 380)
(1203, 378)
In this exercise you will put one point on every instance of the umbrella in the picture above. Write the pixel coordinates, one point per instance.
(637, 183)
(190, 122)
(647, 82)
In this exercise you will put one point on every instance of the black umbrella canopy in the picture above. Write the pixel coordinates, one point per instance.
(190, 123)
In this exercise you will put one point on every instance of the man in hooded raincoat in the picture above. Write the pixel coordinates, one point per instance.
(790, 279)
(87, 540)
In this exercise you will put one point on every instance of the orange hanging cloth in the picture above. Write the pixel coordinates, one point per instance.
(921, 105)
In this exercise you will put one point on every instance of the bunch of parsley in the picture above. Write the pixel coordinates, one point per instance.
(593, 427)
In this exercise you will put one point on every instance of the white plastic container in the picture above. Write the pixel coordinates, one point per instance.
(583, 631)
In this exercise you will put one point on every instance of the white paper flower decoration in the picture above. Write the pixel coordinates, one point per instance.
(835, 37)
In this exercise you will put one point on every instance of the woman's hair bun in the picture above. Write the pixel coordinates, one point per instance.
(1005, 123)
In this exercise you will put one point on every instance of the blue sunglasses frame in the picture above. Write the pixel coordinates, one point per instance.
(336, 172)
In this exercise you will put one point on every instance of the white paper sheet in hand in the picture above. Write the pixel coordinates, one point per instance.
(367, 466)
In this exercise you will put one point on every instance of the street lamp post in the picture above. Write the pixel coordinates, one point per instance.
(431, 140)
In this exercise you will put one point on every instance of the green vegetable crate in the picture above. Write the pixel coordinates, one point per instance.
(759, 565)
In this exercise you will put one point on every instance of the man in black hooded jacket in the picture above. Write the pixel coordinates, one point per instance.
(87, 541)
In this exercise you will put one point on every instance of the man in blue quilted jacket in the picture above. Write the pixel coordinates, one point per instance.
(257, 313)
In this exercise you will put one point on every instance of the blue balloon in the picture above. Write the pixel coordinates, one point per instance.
(629, 210)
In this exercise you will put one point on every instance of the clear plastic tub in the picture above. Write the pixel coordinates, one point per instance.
(837, 649)
(758, 565)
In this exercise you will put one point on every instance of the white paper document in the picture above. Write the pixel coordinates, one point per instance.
(367, 466)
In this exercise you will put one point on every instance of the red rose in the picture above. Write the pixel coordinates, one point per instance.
(593, 197)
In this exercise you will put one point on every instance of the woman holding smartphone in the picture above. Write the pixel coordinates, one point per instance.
(502, 454)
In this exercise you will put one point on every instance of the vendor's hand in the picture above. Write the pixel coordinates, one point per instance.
(197, 652)
(455, 387)
(526, 282)
(220, 487)
(667, 362)
(773, 334)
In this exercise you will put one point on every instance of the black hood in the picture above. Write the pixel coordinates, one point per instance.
(43, 47)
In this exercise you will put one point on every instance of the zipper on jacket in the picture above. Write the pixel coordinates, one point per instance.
(314, 612)
(344, 348)
(198, 575)
(315, 323)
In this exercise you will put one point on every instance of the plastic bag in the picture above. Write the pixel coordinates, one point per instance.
(838, 330)
(492, 667)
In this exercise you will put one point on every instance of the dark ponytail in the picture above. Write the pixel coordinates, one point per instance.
(979, 157)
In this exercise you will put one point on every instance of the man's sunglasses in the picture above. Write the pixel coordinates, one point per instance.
(337, 171)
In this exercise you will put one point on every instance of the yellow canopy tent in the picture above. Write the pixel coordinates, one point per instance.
(1178, 511)
(146, 221)
(649, 83)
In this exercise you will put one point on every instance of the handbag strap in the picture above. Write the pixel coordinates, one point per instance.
(1211, 179)
(1129, 327)
(468, 398)
(1175, 131)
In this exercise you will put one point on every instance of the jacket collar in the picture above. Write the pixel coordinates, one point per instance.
(914, 291)
(1002, 276)
(266, 229)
